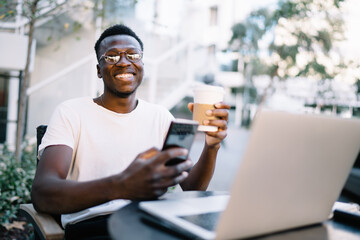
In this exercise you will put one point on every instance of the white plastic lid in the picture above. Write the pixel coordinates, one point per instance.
(204, 128)
(208, 94)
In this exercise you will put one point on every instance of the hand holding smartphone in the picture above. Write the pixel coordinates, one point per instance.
(181, 134)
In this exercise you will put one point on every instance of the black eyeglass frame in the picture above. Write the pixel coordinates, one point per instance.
(126, 56)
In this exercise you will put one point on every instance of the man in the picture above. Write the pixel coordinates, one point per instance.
(99, 153)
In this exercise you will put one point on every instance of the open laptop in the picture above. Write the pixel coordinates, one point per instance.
(293, 171)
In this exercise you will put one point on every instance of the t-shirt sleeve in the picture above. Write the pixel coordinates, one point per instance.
(62, 128)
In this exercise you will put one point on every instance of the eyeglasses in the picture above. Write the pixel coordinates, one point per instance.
(132, 55)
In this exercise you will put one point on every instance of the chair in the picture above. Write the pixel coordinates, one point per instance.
(46, 226)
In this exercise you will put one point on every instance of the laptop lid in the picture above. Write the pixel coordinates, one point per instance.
(293, 170)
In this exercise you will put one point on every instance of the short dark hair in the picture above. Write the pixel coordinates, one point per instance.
(118, 29)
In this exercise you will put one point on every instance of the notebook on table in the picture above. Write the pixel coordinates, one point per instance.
(292, 172)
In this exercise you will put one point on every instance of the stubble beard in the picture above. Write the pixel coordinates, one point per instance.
(122, 94)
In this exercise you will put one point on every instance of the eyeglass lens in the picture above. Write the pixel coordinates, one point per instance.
(132, 55)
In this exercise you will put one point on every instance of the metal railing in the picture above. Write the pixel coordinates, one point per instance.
(155, 63)
(172, 97)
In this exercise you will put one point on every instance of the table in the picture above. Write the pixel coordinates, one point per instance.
(127, 223)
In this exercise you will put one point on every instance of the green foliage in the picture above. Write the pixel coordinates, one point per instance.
(244, 40)
(285, 51)
(302, 40)
(77, 26)
(259, 67)
(15, 181)
(7, 10)
(251, 91)
(289, 23)
(247, 34)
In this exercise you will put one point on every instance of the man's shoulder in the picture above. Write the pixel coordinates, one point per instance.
(77, 102)
(75, 106)
(156, 112)
(152, 106)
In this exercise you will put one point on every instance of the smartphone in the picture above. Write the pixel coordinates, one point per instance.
(181, 133)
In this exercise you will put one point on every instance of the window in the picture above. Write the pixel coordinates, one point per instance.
(213, 16)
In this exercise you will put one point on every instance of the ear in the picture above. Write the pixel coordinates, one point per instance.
(98, 71)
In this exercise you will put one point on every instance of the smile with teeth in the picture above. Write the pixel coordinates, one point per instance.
(124, 76)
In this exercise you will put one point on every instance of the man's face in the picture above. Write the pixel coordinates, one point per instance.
(122, 78)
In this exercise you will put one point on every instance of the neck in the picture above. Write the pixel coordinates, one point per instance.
(118, 104)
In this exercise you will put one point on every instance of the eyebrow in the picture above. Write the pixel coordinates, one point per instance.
(119, 50)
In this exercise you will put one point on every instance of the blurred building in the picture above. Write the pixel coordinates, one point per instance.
(180, 39)
(185, 44)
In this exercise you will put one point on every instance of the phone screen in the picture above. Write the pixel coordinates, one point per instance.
(180, 135)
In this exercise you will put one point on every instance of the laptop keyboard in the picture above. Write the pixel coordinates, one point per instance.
(204, 220)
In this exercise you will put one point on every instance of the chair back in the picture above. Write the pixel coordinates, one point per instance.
(357, 161)
(40, 131)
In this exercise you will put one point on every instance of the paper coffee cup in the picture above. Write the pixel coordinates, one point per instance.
(205, 97)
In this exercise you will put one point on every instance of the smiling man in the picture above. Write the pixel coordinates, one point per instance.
(97, 154)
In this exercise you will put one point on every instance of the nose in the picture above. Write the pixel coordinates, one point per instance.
(123, 60)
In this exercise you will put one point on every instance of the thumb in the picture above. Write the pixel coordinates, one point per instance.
(191, 106)
(148, 153)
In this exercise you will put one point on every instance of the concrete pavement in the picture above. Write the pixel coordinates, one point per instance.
(229, 156)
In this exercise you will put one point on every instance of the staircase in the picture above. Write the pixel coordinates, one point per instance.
(168, 76)
(168, 79)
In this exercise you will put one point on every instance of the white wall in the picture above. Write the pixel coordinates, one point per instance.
(177, 20)
(51, 60)
(351, 47)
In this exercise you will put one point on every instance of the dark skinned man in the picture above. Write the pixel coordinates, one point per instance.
(97, 154)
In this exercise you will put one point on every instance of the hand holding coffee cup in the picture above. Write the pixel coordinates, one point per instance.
(205, 98)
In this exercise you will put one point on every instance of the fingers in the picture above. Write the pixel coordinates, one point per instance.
(220, 134)
(167, 176)
(221, 124)
(222, 105)
(162, 175)
(171, 171)
(221, 114)
(220, 111)
(148, 175)
(158, 192)
(164, 156)
(156, 156)
(148, 154)
(168, 182)
(174, 170)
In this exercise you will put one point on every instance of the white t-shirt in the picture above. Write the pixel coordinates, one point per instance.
(104, 142)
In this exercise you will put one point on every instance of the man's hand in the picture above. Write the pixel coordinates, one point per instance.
(221, 114)
(202, 172)
(147, 177)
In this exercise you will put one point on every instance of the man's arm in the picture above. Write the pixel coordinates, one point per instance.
(202, 172)
(147, 177)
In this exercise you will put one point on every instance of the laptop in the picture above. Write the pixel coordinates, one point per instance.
(293, 170)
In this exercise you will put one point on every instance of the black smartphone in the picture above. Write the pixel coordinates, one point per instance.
(181, 134)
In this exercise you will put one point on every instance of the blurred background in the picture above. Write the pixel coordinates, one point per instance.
(295, 55)
(292, 55)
